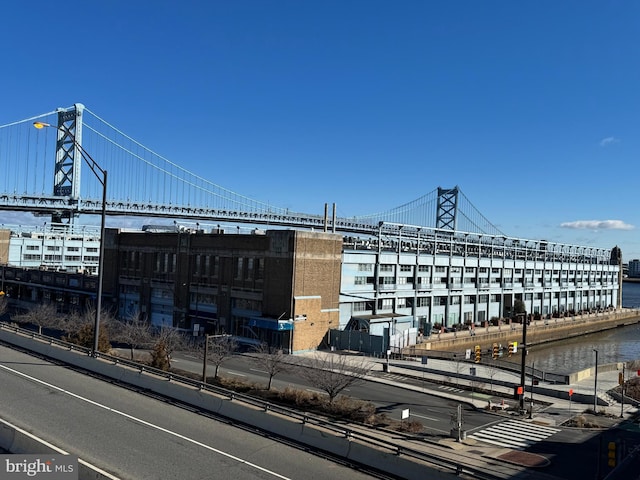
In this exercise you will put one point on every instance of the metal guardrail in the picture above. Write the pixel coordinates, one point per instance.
(303, 417)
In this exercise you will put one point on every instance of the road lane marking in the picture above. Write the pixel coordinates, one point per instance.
(426, 418)
(145, 423)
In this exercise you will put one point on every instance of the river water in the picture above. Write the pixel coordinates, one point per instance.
(572, 355)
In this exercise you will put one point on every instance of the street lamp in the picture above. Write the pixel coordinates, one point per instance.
(524, 356)
(101, 175)
(595, 385)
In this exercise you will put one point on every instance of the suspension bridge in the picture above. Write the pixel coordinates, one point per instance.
(45, 173)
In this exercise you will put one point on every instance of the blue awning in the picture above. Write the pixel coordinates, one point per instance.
(271, 323)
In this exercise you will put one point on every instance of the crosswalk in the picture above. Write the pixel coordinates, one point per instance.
(513, 434)
(450, 389)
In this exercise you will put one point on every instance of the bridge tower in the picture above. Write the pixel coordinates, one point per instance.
(68, 158)
(446, 215)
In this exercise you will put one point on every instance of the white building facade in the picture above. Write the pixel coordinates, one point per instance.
(69, 248)
(423, 278)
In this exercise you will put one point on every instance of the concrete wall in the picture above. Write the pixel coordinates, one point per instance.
(538, 331)
(330, 438)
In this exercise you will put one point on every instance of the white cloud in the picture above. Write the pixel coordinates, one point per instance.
(598, 225)
(609, 141)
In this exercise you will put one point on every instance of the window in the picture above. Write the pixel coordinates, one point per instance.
(239, 266)
(454, 300)
(33, 247)
(386, 268)
(441, 301)
(424, 268)
(406, 268)
(365, 267)
(360, 281)
(360, 306)
(441, 269)
(250, 262)
(424, 302)
(469, 270)
(385, 304)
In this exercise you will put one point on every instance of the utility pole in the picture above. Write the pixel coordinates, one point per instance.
(204, 361)
(595, 385)
(622, 392)
(524, 357)
(533, 372)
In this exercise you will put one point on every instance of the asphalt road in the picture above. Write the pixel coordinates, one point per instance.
(562, 449)
(432, 411)
(136, 437)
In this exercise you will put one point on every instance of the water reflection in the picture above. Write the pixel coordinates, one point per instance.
(572, 355)
(567, 356)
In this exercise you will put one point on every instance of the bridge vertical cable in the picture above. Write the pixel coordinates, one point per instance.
(143, 182)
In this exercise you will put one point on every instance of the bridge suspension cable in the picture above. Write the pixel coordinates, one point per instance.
(145, 183)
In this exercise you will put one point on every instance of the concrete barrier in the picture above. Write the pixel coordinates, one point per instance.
(382, 455)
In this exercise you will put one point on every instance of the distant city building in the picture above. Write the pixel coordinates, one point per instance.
(53, 247)
(634, 268)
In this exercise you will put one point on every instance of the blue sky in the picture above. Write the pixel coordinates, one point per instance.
(531, 108)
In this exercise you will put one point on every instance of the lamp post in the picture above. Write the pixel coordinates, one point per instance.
(595, 385)
(101, 175)
(524, 357)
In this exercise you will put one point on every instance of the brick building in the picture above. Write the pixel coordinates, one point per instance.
(279, 286)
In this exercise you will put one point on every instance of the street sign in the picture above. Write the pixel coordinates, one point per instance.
(570, 391)
(405, 414)
(424, 360)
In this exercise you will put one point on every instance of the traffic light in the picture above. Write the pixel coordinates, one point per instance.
(496, 351)
(611, 454)
(510, 349)
(478, 353)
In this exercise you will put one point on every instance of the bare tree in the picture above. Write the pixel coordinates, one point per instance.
(135, 332)
(492, 371)
(80, 328)
(216, 349)
(170, 340)
(4, 303)
(272, 360)
(41, 315)
(333, 373)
